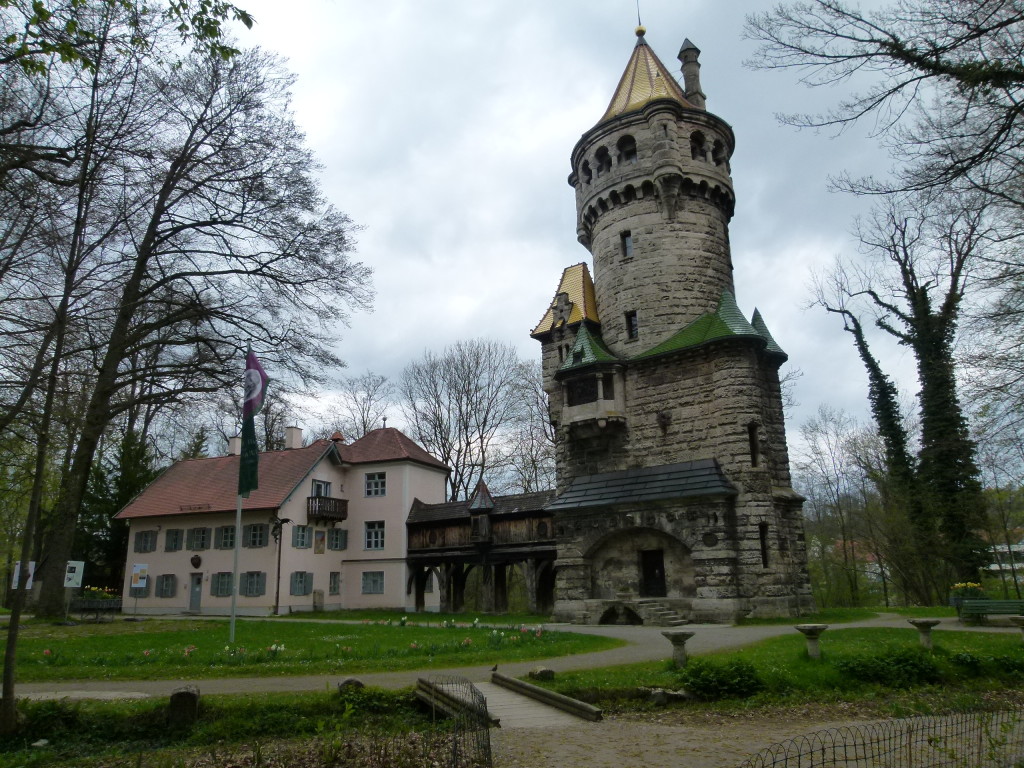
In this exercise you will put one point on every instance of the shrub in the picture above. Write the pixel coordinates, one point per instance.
(709, 680)
(895, 668)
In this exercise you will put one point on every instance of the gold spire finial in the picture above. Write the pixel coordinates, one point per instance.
(641, 30)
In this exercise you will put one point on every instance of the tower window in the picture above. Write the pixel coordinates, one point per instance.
(698, 146)
(755, 444)
(632, 325)
(604, 160)
(762, 532)
(718, 153)
(586, 173)
(627, 150)
(626, 244)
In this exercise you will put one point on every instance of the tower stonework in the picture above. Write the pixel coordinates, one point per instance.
(674, 496)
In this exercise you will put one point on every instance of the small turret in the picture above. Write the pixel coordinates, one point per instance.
(688, 56)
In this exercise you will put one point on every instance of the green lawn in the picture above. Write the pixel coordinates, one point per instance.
(855, 663)
(425, 619)
(196, 649)
(846, 615)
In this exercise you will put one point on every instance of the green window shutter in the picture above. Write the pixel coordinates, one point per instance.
(138, 541)
(343, 539)
(261, 583)
(309, 583)
(247, 534)
(295, 538)
(295, 584)
(190, 538)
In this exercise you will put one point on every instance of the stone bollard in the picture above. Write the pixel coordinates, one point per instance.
(183, 710)
(678, 638)
(924, 629)
(812, 632)
(1018, 622)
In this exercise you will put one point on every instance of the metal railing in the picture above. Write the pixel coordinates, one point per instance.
(962, 740)
(468, 721)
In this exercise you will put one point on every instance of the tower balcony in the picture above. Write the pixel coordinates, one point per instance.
(593, 402)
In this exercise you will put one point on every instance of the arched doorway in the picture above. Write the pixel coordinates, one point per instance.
(643, 562)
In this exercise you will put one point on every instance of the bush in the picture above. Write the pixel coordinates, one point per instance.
(710, 680)
(894, 668)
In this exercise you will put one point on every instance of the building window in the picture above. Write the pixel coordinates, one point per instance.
(166, 585)
(321, 488)
(302, 537)
(627, 150)
(301, 583)
(762, 531)
(626, 244)
(337, 539)
(376, 483)
(374, 535)
(604, 160)
(224, 537)
(145, 541)
(142, 591)
(197, 539)
(632, 325)
(173, 539)
(373, 582)
(221, 583)
(581, 391)
(755, 445)
(255, 535)
(254, 583)
(334, 587)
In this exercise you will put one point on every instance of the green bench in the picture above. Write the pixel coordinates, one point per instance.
(979, 608)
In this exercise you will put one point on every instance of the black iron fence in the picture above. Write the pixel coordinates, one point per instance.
(468, 724)
(962, 740)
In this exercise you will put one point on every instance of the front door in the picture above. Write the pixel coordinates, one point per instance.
(652, 573)
(195, 593)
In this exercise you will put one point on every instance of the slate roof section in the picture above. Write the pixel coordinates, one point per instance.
(387, 444)
(725, 322)
(762, 328)
(459, 510)
(198, 486)
(645, 80)
(578, 288)
(589, 349)
(703, 477)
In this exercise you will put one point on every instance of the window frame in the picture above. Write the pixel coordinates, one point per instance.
(320, 489)
(337, 539)
(255, 535)
(375, 485)
(302, 536)
(373, 538)
(178, 541)
(221, 583)
(145, 541)
(224, 537)
(334, 583)
(367, 578)
(166, 585)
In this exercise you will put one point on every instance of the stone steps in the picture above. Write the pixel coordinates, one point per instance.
(659, 614)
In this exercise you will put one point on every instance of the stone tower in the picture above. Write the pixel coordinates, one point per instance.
(673, 473)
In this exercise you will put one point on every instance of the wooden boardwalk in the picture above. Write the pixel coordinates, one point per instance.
(514, 710)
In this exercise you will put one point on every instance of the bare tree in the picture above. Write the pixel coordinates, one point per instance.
(361, 404)
(527, 454)
(944, 78)
(459, 405)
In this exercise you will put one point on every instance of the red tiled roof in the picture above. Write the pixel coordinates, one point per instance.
(387, 444)
(211, 485)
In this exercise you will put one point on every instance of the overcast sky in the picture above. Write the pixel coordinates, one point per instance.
(445, 127)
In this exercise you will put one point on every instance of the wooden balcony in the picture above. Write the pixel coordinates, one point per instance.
(326, 508)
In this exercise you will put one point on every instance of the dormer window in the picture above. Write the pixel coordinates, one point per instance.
(577, 357)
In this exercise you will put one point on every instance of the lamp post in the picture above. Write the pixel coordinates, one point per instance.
(276, 524)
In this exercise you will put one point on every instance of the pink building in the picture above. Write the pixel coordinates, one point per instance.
(326, 529)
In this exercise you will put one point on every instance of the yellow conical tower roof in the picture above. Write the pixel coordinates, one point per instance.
(645, 80)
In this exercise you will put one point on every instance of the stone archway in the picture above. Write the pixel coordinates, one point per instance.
(640, 562)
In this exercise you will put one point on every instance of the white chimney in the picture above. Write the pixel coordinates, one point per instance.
(234, 446)
(292, 437)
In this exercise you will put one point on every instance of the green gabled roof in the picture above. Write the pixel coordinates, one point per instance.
(725, 322)
(759, 325)
(592, 349)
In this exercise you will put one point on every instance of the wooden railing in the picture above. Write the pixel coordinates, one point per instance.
(327, 508)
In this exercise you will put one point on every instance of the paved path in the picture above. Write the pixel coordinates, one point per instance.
(642, 644)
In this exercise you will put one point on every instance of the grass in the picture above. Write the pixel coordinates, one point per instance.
(847, 615)
(122, 733)
(424, 619)
(855, 663)
(198, 649)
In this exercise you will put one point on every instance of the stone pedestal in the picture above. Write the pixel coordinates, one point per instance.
(924, 629)
(812, 632)
(1018, 622)
(183, 710)
(678, 638)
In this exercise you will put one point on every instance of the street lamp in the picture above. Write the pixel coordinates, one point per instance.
(276, 524)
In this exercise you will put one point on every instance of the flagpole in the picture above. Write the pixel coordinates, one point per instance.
(234, 569)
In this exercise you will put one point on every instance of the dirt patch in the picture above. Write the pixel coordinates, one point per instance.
(686, 737)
